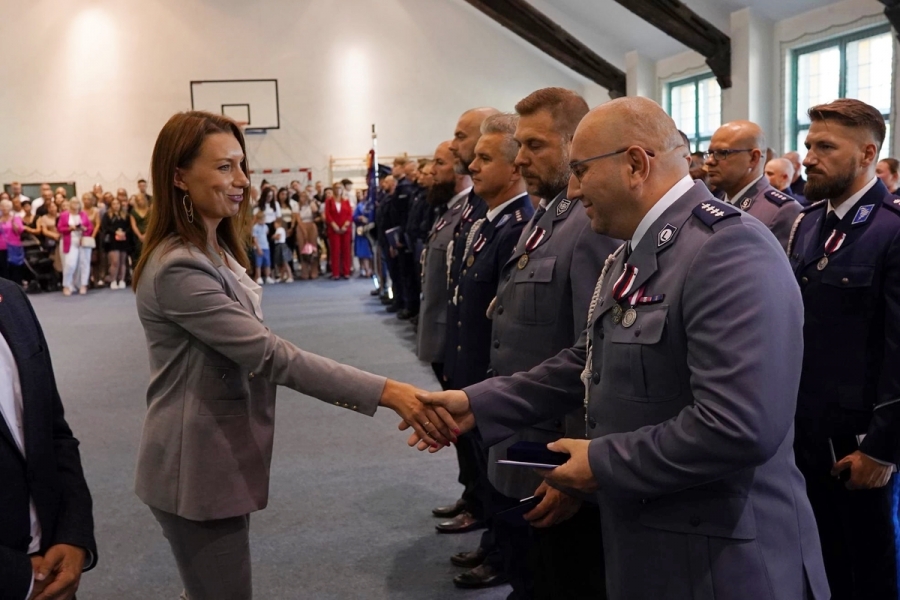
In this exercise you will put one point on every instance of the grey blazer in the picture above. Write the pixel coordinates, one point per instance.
(432, 329)
(541, 308)
(206, 445)
(776, 210)
(691, 413)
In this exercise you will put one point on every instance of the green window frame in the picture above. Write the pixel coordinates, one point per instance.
(795, 126)
(698, 136)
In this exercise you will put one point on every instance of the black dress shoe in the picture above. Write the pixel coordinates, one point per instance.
(448, 512)
(386, 300)
(482, 576)
(461, 523)
(375, 292)
(392, 308)
(404, 315)
(468, 560)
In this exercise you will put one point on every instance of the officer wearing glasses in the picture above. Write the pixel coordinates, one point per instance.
(735, 163)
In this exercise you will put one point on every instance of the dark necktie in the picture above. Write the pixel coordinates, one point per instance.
(538, 214)
(831, 221)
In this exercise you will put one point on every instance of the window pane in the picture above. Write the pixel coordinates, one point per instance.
(886, 146)
(818, 79)
(801, 141)
(869, 62)
(710, 110)
(684, 107)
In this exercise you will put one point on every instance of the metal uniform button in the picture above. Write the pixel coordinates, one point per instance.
(459, 323)
(695, 521)
(596, 378)
(496, 343)
(500, 310)
(251, 375)
(592, 423)
(804, 280)
(459, 348)
(845, 281)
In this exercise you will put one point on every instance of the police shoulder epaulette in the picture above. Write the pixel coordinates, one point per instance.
(777, 198)
(893, 204)
(815, 206)
(713, 211)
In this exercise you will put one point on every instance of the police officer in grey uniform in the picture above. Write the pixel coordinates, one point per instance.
(432, 330)
(689, 368)
(736, 162)
(542, 302)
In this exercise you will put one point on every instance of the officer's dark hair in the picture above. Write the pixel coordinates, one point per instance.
(851, 113)
(566, 107)
(346, 182)
(893, 165)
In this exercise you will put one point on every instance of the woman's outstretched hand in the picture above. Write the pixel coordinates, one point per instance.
(454, 404)
(434, 427)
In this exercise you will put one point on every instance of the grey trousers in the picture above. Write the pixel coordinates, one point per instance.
(213, 557)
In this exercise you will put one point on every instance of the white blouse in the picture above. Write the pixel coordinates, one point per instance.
(254, 290)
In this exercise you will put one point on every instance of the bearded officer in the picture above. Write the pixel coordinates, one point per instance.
(736, 163)
(465, 516)
(488, 246)
(689, 366)
(846, 256)
(541, 307)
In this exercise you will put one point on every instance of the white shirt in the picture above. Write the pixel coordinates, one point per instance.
(495, 212)
(675, 192)
(847, 204)
(37, 203)
(337, 205)
(743, 191)
(458, 197)
(254, 290)
(11, 407)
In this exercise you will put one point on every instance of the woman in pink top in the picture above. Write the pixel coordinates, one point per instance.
(12, 256)
(75, 228)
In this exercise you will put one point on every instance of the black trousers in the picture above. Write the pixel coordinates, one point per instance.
(408, 271)
(468, 455)
(567, 558)
(855, 526)
(394, 271)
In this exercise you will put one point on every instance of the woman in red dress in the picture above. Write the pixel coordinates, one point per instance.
(338, 224)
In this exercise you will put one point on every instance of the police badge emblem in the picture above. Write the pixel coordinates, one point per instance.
(745, 203)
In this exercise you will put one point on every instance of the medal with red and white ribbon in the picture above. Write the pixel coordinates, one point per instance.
(832, 244)
(535, 238)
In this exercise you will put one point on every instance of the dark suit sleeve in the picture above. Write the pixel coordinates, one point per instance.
(590, 252)
(505, 405)
(744, 359)
(75, 521)
(883, 437)
(15, 574)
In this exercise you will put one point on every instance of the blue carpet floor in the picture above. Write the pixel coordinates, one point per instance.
(349, 508)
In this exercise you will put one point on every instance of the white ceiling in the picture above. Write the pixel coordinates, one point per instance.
(612, 31)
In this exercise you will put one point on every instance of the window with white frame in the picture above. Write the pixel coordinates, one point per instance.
(695, 104)
(857, 65)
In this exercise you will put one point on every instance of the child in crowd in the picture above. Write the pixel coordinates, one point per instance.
(281, 254)
(261, 246)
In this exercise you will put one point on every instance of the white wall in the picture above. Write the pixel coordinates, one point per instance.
(87, 84)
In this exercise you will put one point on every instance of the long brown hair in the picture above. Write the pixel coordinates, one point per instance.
(177, 146)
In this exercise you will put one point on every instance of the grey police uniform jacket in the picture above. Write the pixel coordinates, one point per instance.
(690, 411)
(541, 308)
(206, 445)
(432, 329)
(775, 209)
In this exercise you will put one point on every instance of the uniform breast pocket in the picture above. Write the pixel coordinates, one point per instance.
(639, 360)
(534, 302)
(223, 393)
(851, 289)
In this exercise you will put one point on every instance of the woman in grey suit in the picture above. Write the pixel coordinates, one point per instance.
(206, 447)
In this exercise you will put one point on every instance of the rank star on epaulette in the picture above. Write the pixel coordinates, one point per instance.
(777, 198)
(711, 212)
(519, 216)
(716, 212)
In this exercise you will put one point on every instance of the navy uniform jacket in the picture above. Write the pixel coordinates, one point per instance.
(473, 209)
(542, 305)
(690, 411)
(50, 472)
(851, 369)
(775, 209)
(400, 204)
(469, 336)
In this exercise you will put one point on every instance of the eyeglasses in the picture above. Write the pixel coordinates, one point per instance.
(574, 166)
(725, 153)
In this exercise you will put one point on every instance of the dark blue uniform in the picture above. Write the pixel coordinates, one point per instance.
(401, 205)
(850, 385)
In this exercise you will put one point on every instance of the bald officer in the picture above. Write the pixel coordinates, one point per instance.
(689, 376)
(541, 307)
(779, 172)
(735, 162)
(448, 193)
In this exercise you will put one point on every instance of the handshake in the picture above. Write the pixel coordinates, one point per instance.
(438, 418)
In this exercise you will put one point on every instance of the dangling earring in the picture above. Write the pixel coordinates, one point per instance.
(188, 208)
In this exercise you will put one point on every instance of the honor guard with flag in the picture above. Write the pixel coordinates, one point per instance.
(688, 375)
(735, 163)
(542, 301)
(845, 251)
